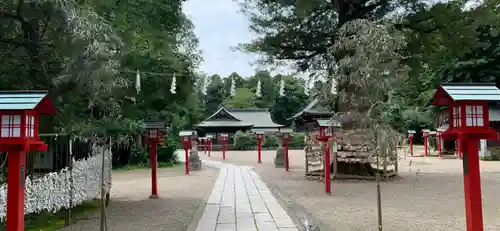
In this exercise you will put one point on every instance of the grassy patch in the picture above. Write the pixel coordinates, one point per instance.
(144, 166)
(46, 221)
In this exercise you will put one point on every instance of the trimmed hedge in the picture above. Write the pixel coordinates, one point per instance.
(247, 141)
(244, 141)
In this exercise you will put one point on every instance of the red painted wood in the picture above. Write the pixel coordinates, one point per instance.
(426, 145)
(223, 148)
(154, 167)
(411, 145)
(186, 155)
(472, 186)
(259, 142)
(328, 181)
(287, 166)
(15, 191)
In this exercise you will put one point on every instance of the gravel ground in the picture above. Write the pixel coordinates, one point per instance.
(130, 208)
(427, 196)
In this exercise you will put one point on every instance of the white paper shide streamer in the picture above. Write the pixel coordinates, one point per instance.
(206, 82)
(258, 90)
(52, 191)
(138, 82)
(233, 88)
(173, 86)
(333, 89)
(306, 89)
(282, 88)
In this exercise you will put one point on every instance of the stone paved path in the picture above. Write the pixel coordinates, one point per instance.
(241, 201)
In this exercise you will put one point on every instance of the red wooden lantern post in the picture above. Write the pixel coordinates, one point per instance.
(186, 137)
(260, 136)
(154, 136)
(469, 122)
(425, 134)
(208, 140)
(326, 133)
(154, 130)
(19, 122)
(440, 140)
(285, 136)
(223, 140)
(411, 133)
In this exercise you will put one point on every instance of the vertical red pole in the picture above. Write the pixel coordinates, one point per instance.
(411, 145)
(187, 158)
(440, 145)
(223, 149)
(328, 181)
(15, 191)
(154, 167)
(287, 166)
(472, 186)
(205, 146)
(209, 147)
(259, 150)
(426, 145)
(459, 148)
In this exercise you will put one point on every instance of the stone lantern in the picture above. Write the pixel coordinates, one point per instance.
(469, 122)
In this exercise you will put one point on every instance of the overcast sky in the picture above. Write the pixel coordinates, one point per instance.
(220, 26)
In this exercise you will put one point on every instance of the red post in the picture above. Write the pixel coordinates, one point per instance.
(186, 148)
(440, 144)
(459, 148)
(411, 144)
(223, 141)
(209, 147)
(472, 186)
(15, 191)
(426, 144)
(287, 166)
(328, 181)
(259, 139)
(205, 146)
(154, 167)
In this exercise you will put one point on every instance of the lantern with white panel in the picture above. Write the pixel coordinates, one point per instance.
(259, 135)
(186, 137)
(19, 118)
(285, 134)
(411, 133)
(425, 134)
(154, 134)
(223, 139)
(469, 124)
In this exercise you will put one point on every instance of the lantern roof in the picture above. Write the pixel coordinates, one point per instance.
(327, 123)
(187, 133)
(285, 130)
(26, 100)
(452, 92)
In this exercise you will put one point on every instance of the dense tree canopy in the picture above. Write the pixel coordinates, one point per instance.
(87, 53)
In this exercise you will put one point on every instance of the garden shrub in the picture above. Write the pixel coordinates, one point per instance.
(270, 141)
(244, 141)
(297, 140)
(166, 150)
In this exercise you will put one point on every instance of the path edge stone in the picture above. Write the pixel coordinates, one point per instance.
(201, 208)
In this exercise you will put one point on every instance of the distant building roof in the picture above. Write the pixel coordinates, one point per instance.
(316, 108)
(255, 118)
(466, 91)
(26, 100)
